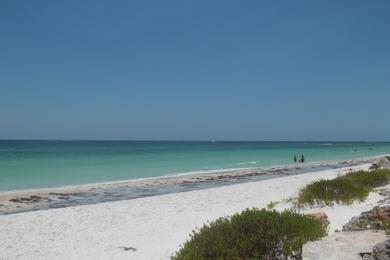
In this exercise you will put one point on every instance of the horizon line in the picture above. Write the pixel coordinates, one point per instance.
(185, 140)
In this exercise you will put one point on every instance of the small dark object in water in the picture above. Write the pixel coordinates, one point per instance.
(128, 248)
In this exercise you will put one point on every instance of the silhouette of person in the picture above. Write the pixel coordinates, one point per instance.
(295, 158)
(302, 158)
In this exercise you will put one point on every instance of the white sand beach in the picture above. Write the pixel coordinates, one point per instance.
(194, 130)
(151, 227)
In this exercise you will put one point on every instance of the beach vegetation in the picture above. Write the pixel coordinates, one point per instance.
(387, 229)
(271, 204)
(375, 166)
(252, 234)
(345, 189)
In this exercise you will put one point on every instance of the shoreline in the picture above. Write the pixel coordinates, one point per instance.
(198, 173)
(59, 197)
(155, 226)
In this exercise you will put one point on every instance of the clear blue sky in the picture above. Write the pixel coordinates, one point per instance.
(231, 70)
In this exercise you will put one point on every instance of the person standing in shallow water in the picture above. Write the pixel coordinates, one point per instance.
(295, 158)
(302, 158)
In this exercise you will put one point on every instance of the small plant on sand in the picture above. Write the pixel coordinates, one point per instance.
(387, 229)
(375, 166)
(252, 234)
(272, 204)
(343, 189)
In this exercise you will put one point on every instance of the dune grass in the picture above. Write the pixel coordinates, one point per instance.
(272, 204)
(252, 234)
(344, 189)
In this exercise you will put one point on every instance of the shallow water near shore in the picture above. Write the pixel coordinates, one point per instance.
(39, 164)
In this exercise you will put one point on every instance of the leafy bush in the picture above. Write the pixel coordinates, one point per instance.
(252, 234)
(344, 189)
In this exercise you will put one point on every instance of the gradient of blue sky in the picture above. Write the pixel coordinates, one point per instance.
(242, 70)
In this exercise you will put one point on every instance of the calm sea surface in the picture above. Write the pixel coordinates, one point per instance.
(35, 164)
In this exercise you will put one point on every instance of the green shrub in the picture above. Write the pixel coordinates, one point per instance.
(343, 189)
(252, 234)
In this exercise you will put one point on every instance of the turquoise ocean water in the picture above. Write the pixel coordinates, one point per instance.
(37, 164)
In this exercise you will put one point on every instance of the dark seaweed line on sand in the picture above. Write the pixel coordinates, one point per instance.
(99, 194)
